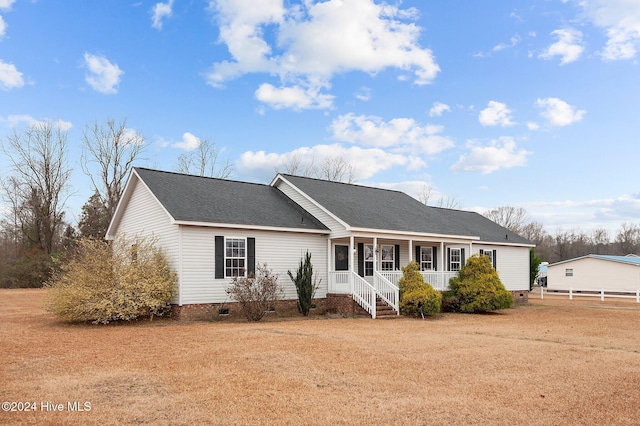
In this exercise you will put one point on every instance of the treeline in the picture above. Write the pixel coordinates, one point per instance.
(568, 243)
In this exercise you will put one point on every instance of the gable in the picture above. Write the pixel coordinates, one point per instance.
(382, 209)
(201, 200)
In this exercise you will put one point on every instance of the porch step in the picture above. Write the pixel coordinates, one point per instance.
(383, 310)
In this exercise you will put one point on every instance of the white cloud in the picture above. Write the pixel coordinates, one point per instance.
(307, 44)
(438, 108)
(403, 134)
(10, 77)
(532, 125)
(6, 4)
(513, 42)
(294, 97)
(569, 46)
(160, 11)
(103, 76)
(3, 27)
(367, 162)
(15, 120)
(495, 114)
(558, 112)
(499, 154)
(364, 94)
(620, 20)
(189, 142)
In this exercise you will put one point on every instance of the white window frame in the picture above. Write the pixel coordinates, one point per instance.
(388, 263)
(489, 254)
(229, 266)
(455, 253)
(426, 252)
(368, 260)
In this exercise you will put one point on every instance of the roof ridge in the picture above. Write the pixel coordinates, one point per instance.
(196, 176)
(345, 183)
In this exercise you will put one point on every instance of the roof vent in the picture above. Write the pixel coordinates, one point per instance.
(506, 236)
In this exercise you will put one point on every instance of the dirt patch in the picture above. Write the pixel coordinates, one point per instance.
(554, 361)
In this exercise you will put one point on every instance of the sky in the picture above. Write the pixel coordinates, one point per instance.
(531, 104)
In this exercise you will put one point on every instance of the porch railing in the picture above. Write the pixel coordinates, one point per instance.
(364, 294)
(339, 282)
(439, 280)
(387, 291)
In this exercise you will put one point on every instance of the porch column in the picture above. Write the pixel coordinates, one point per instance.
(329, 255)
(470, 252)
(442, 264)
(375, 254)
(411, 251)
(351, 260)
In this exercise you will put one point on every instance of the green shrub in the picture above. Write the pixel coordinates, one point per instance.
(103, 283)
(417, 298)
(306, 285)
(255, 293)
(477, 288)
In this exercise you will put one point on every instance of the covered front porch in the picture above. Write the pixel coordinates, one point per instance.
(369, 266)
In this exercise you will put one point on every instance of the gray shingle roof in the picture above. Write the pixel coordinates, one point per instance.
(202, 199)
(368, 207)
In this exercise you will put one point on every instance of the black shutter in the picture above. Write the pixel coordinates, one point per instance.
(397, 257)
(251, 256)
(434, 258)
(219, 257)
(462, 258)
(418, 257)
(361, 259)
(494, 260)
(448, 259)
(481, 252)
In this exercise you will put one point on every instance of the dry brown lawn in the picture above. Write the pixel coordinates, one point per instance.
(554, 362)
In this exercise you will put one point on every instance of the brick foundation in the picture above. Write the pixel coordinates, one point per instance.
(520, 297)
(232, 311)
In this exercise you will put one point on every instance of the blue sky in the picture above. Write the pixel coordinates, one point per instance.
(530, 104)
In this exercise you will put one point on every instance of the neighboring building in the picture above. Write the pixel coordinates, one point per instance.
(595, 272)
(359, 237)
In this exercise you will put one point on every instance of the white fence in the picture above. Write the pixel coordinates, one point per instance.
(590, 292)
(387, 291)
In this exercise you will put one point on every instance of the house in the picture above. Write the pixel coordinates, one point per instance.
(359, 237)
(595, 272)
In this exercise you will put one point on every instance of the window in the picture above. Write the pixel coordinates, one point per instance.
(489, 254)
(388, 258)
(342, 258)
(368, 260)
(235, 257)
(426, 258)
(455, 259)
(568, 272)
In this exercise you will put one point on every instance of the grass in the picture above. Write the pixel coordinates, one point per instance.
(553, 362)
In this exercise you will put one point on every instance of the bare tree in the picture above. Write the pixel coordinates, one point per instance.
(336, 169)
(294, 165)
(38, 187)
(426, 197)
(113, 148)
(628, 239)
(332, 168)
(203, 161)
(600, 241)
(511, 218)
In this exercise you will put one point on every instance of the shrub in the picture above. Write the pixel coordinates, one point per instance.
(477, 288)
(255, 293)
(306, 285)
(417, 298)
(104, 283)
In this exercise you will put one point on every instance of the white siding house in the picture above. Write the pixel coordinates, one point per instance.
(359, 237)
(595, 272)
